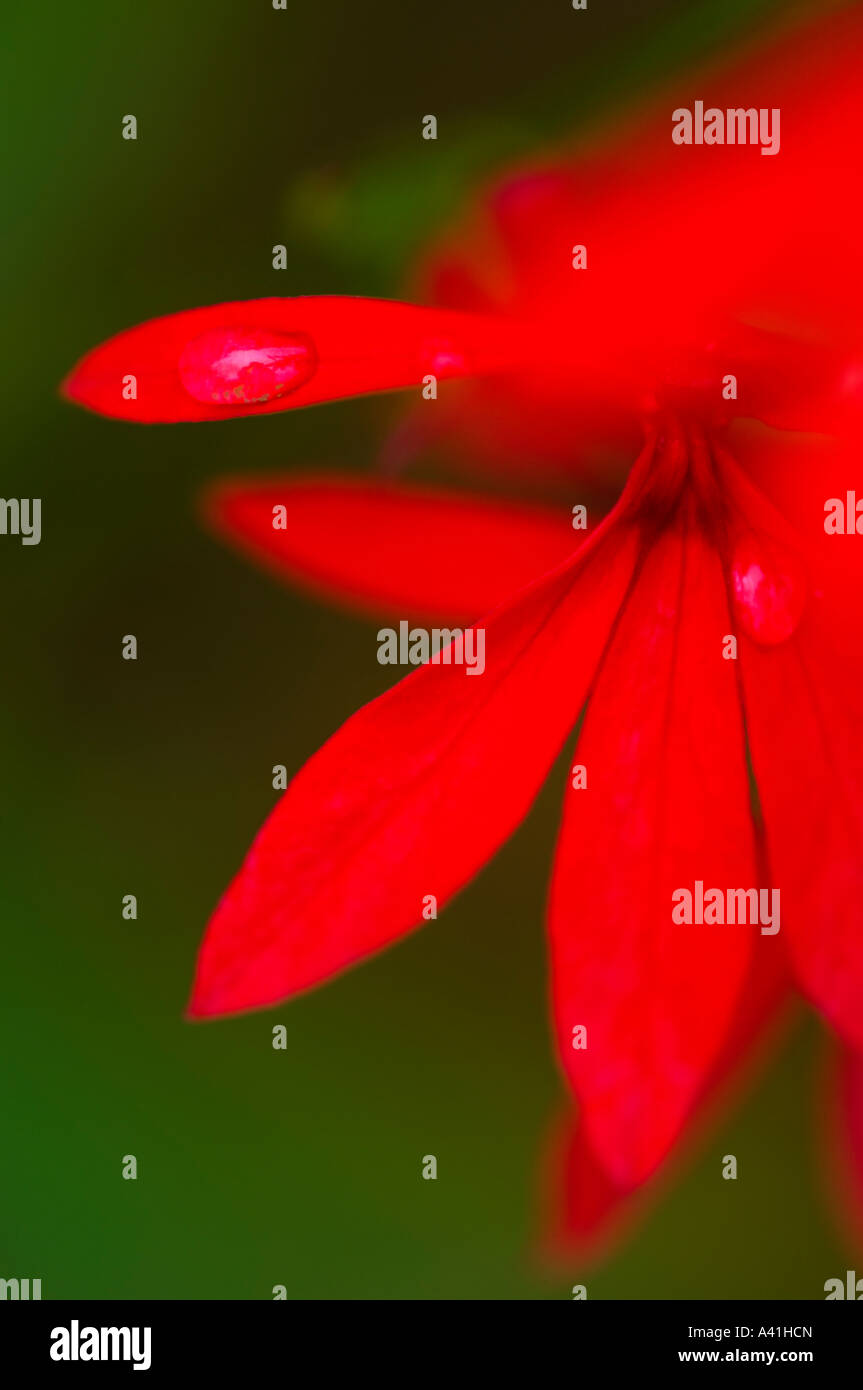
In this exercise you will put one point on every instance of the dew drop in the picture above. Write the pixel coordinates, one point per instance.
(769, 589)
(235, 366)
(444, 358)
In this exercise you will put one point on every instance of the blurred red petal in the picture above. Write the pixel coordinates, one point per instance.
(583, 1210)
(803, 704)
(795, 385)
(394, 548)
(550, 424)
(799, 474)
(845, 1138)
(680, 229)
(413, 794)
(666, 804)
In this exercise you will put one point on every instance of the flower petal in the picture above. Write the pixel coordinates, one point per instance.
(649, 299)
(255, 356)
(413, 794)
(395, 548)
(804, 717)
(666, 804)
(582, 1208)
(803, 476)
(584, 1211)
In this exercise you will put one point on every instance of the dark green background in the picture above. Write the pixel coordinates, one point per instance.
(259, 1167)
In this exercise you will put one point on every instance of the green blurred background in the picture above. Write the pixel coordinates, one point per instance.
(259, 1167)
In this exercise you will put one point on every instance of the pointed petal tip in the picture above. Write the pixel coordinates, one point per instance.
(556, 1250)
(70, 388)
(202, 1005)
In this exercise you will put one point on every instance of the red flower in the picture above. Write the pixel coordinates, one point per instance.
(704, 266)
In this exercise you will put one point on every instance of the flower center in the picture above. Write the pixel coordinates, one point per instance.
(685, 476)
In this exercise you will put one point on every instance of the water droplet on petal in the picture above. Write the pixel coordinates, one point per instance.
(851, 381)
(231, 366)
(445, 358)
(768, 588)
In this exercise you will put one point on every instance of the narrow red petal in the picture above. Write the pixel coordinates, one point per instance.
(256, 356)
(413, 794)
(583, 1210)
(804, 718)
(666, 804)
(800, 475)
(386, 547)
